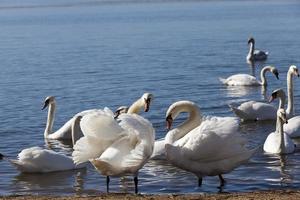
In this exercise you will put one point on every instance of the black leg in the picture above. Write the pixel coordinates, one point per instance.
(107, 184)
(135, 179)
(199, 182)
(222, 180)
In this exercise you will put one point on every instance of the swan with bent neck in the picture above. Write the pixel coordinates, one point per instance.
(39, 160)
(64, 133)
(255, 55)
(248, 80)
(205, 147)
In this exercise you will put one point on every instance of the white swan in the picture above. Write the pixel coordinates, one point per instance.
(248, 80)
(279, 142)
(253, 110)
(204, 147)
(115, 147)
(64, 133)
(254, 54)
(39, 160)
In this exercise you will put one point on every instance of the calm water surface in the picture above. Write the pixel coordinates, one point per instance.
(91, 54)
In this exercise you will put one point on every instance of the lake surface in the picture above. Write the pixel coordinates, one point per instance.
(92, 54)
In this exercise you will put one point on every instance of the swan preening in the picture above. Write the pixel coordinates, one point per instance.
(248, 80)
(205, 147)
(279, 142)
(115, 147)
(255, 54)
(253, 110)
(64, 133)
(39, 160)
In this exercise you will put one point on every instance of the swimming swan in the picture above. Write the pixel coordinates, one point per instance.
(254, 54)
(39, 160)
(248, 80)
(115, 147)
(279, 142)
(207, 147)
(253, 110)
(64, 133)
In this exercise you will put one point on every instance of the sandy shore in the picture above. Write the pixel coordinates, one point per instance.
(265, 195)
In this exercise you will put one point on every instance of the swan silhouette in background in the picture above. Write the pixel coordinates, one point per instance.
(115, 147)
(279, 142)
(64, 133)
(39, 160)
(205, 147)
(248, 80)
(255, 54)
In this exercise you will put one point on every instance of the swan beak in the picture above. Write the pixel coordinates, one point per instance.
(277, 75)
(117, 114)
(46, 104)
(271, 99)
(169, 121)
(147, 105)
(286, 121)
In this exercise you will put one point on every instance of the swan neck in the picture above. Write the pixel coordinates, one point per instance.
(290, 88)
(50, 119)
(279, 130)
(76, 130)
(263, 76)
(136, 107)
(251, 51)
(189, 124)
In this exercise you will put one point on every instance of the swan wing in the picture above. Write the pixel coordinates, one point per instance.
(240, 80)
(159, 150)
(36, 159)
(100, 124)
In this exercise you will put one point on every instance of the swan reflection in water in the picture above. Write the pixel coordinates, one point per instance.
(54, 181)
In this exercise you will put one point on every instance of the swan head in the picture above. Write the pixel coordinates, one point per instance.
(49, 100)
(147, 98)
(277, 93)
(281, 114)
(294, 70)
(275, 72)
(176, 108)
(120, 110)
(251, 40)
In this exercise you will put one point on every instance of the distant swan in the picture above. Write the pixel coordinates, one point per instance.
(248, 80)
(254, 54)
(115, 147)
(39, 160)
(204, 147)
(64, 133)
(279, 142)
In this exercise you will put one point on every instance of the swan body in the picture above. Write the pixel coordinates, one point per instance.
(293, 127)
(279, 142)
(64, 133)
(255, 54)
(253, 110)
(159, 150)
(207, 147)
(248, 80)
(39, 160)
(115, 147)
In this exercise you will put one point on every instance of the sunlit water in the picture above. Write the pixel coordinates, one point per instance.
(91, 54)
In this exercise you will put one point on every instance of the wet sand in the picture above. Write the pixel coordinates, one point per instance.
(265, 195)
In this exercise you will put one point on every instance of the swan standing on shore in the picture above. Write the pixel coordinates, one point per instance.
(39, 160)
(248, 80)
(254, 54)
(64, 133)
(279, 142)
(115, 147)
(207, 147)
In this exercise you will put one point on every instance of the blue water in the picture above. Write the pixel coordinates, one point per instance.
(91, 54)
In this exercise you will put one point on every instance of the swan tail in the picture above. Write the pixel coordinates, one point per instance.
(18, 165)
(238, 112)
(223, 80)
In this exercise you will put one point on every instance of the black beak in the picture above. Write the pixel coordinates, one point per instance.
(117, 114)
(147, 105)
(169, 121)
(46, 104)
(277, 75)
